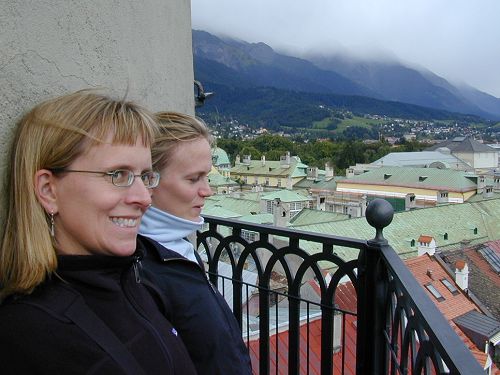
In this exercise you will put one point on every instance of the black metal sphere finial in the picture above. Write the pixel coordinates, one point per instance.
(379, 214)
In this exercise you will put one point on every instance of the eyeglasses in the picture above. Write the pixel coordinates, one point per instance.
(122, 177)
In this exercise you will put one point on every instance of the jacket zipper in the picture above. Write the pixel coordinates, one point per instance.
(136, 266)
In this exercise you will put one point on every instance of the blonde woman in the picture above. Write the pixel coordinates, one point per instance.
(73, 302)
(182, 154)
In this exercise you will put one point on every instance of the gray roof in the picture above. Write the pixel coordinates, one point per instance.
(480, 323)
(462, 145)
(421, 159)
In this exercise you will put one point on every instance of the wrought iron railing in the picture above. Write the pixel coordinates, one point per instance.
(284, 297)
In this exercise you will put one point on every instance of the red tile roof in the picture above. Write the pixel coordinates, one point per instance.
(345, 299)
(453, 305)
(309, 334)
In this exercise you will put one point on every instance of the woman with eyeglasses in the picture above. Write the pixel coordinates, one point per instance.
(182, 154)
(73, 299)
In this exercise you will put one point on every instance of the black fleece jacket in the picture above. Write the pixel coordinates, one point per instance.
(38, 336)
(197, 310)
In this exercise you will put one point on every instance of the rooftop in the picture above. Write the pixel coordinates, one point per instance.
(424, 178)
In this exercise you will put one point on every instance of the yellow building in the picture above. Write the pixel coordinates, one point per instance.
(284, 173)
(422, 184)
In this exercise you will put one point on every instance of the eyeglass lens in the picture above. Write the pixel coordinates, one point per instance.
(122, 177)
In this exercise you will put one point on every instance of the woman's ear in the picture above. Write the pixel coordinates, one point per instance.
(45, 190)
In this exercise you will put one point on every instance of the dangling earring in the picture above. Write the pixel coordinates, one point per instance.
(52, 226)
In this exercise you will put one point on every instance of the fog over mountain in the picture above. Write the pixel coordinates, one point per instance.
(456, 39)
(256, 64)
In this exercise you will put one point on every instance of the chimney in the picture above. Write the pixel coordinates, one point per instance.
(410, 201)
(328, 172)
(280, 214)
(430, 274)
(488, 191)
(263, 160)
(247, 159)
(312, 173)
(481, 182)
(462, 274)
(426, 245)
(285, 160)
(442, 196)
(496, 182)
(237, 161)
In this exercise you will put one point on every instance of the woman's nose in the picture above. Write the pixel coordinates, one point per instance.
(139, 194)
(205, 190)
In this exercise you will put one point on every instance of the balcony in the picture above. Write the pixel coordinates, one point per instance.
(320, 313)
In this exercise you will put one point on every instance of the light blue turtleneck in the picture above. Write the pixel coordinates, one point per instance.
(170, 231)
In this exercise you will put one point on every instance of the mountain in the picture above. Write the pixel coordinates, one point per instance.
(395, 81)
(258, 65)
(234, 63)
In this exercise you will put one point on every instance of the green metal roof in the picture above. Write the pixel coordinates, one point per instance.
(258, 218)
(425, 178)
(271, 168)
(237, 205)
(220, 156)
(285, 196)
(318, 184)
(217, 210)
(216, 179)
(309, 216)
(458, 221)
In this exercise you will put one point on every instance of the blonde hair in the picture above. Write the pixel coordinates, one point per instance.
(51, 136)
(175, 128)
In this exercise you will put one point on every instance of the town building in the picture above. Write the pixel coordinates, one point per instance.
(284, 173)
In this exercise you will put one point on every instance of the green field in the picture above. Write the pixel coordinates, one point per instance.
(355, 121)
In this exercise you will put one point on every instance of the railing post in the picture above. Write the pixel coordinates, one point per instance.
(371, 351)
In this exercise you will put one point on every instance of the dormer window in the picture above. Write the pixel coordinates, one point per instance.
(450, 286)
(422, 178)
(431, 288)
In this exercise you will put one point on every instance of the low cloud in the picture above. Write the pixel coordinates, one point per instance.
(456, 39)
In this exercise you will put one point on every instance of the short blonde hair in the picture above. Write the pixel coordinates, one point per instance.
(51, 136)
(175, 128)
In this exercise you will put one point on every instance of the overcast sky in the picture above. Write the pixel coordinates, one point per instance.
(456, 39)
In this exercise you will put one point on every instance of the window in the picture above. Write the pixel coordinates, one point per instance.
(250, 236)
(450, 286)
(412, 243)
(267, 181)
(269, 206)
(279, 182)
(431, 288)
